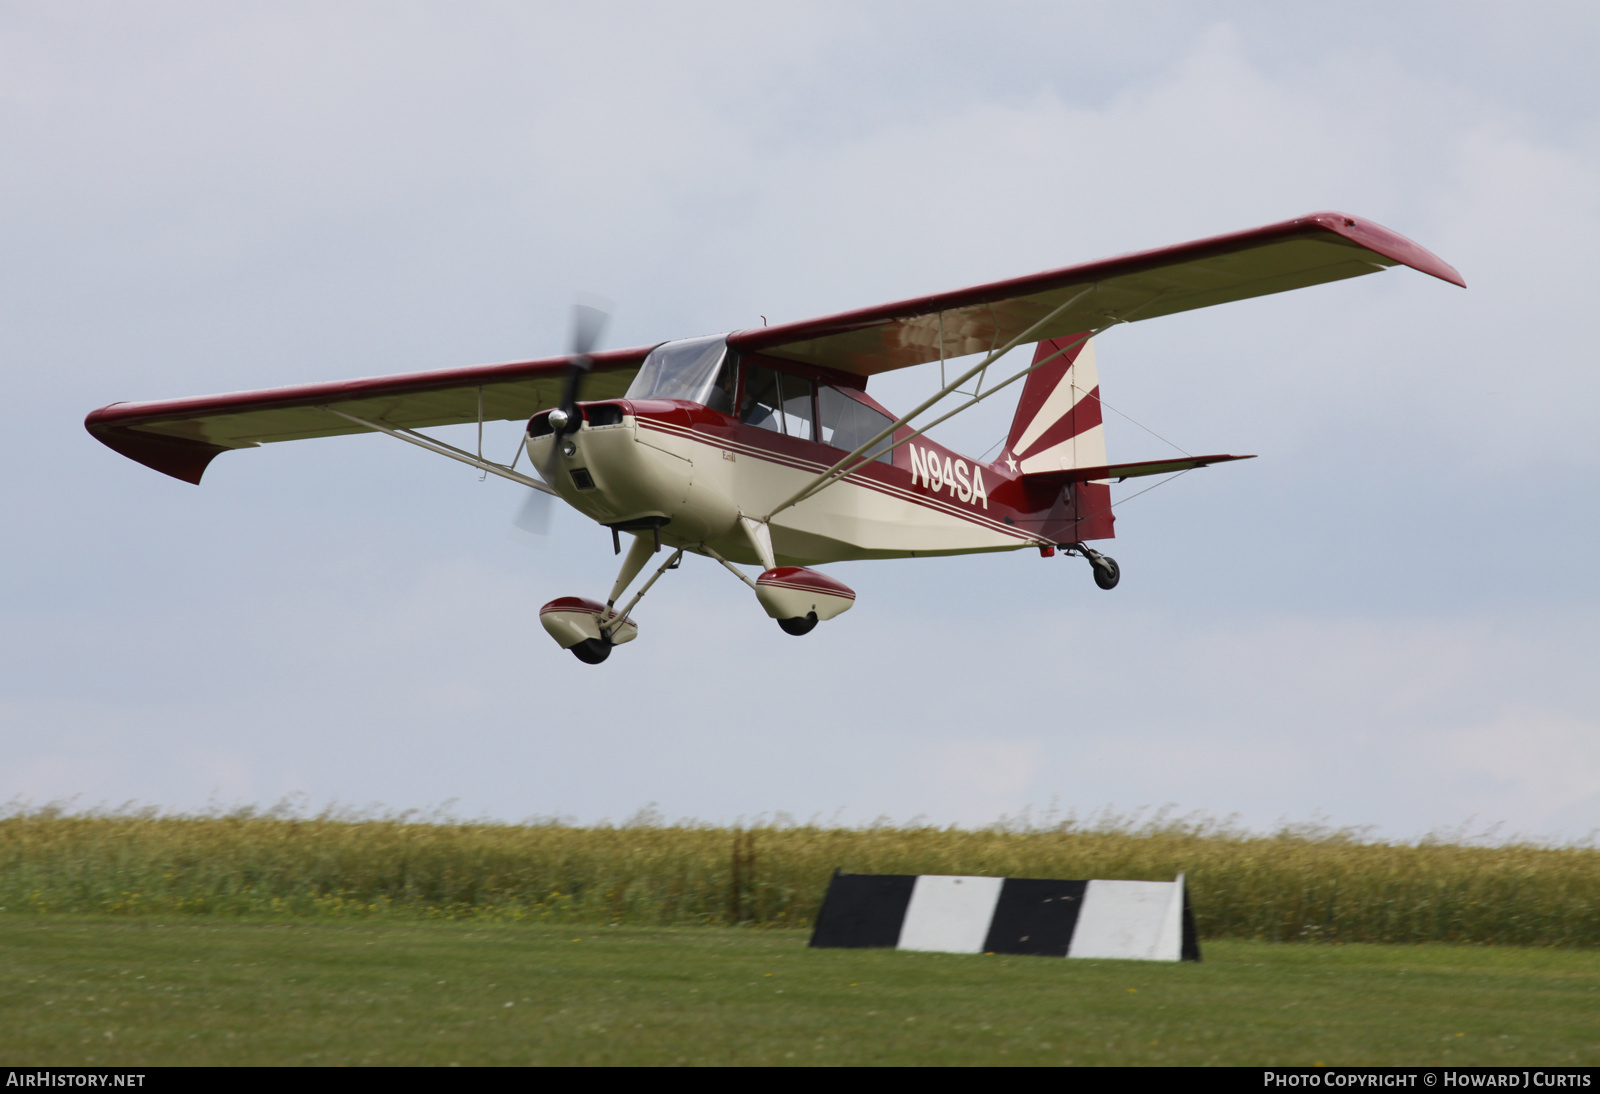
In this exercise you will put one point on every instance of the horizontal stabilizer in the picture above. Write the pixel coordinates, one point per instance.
(1120, 471)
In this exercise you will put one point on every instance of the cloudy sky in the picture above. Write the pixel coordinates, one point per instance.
(1391, 619)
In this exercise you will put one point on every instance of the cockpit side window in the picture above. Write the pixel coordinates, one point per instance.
(798, 411)
(762, 405)
(778, 401)
(720, 397)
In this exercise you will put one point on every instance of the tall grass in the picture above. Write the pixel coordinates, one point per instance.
(1292, 885)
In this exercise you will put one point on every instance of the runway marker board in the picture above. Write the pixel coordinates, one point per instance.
(939, 913)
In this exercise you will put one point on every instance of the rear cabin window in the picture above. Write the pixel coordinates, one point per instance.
(799, 407)
(848, 424)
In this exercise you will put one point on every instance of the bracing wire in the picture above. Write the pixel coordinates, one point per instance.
(1141, 425)
(1119, 501)
(1163, 482)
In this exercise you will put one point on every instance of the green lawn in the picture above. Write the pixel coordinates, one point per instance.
(131, 991)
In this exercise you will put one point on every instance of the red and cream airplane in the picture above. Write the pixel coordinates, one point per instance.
(762, 447)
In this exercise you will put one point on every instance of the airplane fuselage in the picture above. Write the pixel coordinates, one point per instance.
(689, 473)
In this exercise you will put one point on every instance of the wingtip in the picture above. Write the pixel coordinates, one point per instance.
(1388, 243)
(176, 457)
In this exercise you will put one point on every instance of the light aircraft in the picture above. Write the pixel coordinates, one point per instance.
(762, 446)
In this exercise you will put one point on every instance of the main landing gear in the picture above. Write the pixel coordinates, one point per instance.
(796, 597)
(591, 629)
(1106, 571)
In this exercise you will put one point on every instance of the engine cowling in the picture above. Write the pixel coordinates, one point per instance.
(626, 477)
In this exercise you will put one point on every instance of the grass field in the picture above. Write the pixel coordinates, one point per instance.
(208, 990)
(1288, 886)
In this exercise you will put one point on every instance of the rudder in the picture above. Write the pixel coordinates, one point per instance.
(1057, 427)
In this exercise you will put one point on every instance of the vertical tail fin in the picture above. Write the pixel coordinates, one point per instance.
(1058, 427)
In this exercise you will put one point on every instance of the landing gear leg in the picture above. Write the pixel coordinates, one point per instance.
(639, 552)
(1106, 571)
(613, 618)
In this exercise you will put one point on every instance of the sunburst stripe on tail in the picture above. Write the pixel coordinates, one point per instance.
(1058, 424)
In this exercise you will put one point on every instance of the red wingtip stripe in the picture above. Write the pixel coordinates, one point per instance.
(181, 458)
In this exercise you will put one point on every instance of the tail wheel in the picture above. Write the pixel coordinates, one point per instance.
(800, 624)
(1106, 572)
(591, 651)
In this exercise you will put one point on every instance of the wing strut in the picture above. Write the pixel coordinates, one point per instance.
(732, 569)
(433, 444)
(856, 459)
(832, 474)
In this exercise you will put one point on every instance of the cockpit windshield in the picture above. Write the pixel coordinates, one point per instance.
(699, 370)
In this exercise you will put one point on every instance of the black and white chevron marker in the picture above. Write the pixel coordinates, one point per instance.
(1138, 920)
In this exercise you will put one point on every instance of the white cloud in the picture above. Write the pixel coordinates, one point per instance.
(1536, 765)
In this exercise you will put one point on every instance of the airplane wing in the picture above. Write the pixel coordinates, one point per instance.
(180, 437)
(1275, 258)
